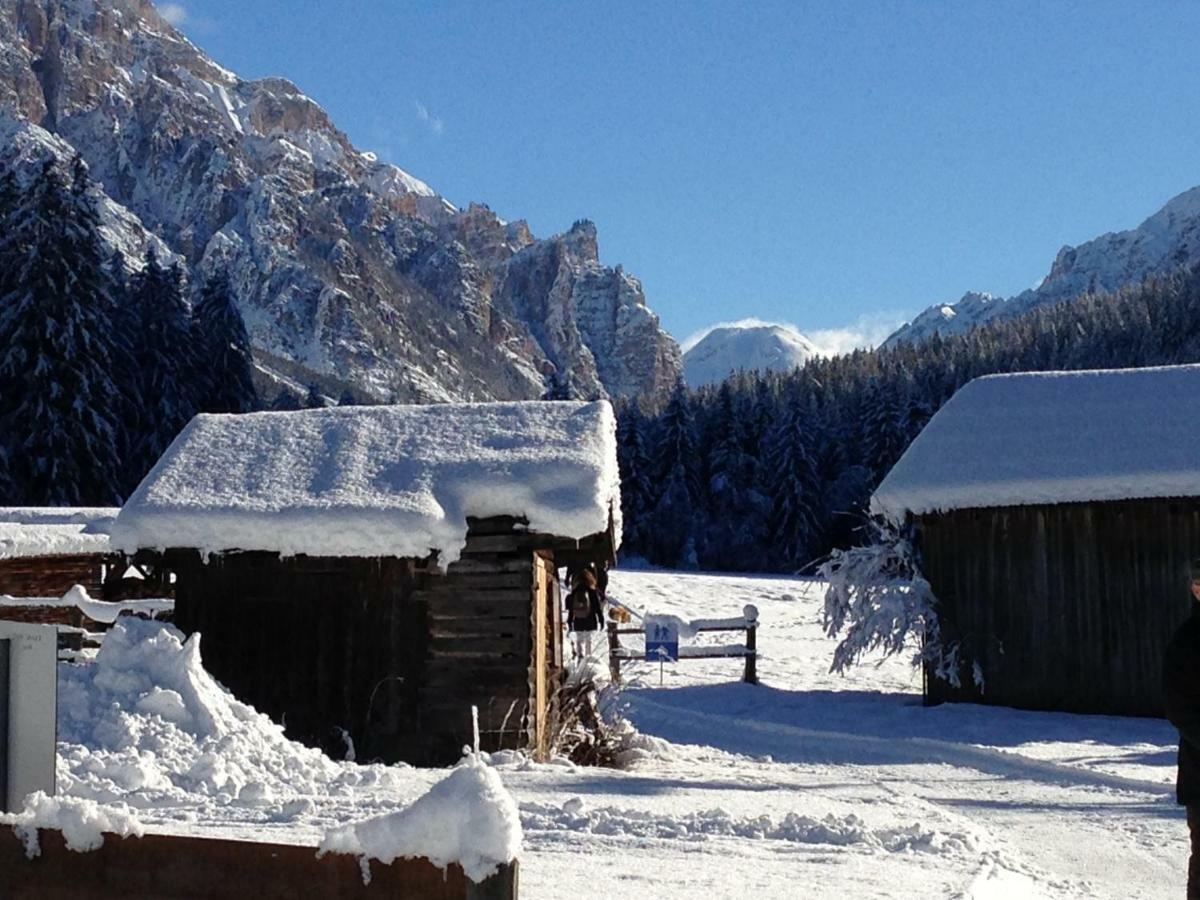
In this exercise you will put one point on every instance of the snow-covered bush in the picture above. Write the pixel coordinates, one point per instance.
(877, 600)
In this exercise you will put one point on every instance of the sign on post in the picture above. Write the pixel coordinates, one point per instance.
(662, 640)
(29, 710)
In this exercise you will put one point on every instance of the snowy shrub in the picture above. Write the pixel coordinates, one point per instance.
(877, 600)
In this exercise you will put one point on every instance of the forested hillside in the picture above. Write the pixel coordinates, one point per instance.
(770, 471)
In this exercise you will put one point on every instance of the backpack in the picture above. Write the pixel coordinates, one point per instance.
(581, 603)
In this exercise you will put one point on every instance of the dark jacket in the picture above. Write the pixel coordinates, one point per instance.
(595, 615)
(1181, 697)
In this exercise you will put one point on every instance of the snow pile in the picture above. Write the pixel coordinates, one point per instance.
(101, 611)
(574, 815)
(377, 481)
(83, 823)
(466, 818)
(1053, 437)
(145, 724)
(54, 531)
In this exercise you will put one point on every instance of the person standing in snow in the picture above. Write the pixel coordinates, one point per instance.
(1181, 697)
(585, 613)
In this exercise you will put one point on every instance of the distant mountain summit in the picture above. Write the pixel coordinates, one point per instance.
(343, 266)
(752, 345)
(1168, 240)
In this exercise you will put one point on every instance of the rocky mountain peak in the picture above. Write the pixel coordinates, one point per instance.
(1167, 240)
(345, 266)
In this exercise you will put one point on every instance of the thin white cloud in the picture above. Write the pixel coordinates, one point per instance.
(432, 122)
(868, 330)
(175, 13)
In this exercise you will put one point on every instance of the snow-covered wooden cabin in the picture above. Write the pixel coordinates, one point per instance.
(44, 552)
(1055, 517)
(382, 569)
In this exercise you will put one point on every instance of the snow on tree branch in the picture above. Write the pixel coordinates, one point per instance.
(877, 600)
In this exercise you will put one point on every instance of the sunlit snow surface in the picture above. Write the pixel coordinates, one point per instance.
(808, 785)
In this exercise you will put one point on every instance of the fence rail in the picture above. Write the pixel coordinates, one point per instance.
(747, 651)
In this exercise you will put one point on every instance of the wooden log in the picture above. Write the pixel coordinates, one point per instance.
(478, 581)
(751, 674)
(614, 650)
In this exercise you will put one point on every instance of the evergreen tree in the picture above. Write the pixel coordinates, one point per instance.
(57, 417)
(637, 480)
(793, 527)
(314, 399)
(167, 358)
(229, 387)
(670, 533)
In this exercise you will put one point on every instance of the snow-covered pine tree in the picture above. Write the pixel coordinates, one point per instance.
(670, 525)
(793, 526)
(229, 387)
(57, 417)
(736, 512)
(168, 358)
(637, 482)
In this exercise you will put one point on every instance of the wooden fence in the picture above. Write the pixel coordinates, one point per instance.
(169, 867)
(747, 651)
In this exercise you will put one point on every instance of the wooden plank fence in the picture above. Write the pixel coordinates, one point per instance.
(171, 867)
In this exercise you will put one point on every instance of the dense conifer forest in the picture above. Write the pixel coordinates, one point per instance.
(102, 360)
(769, 472)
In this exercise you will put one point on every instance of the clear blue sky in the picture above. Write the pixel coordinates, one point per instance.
(805, 162)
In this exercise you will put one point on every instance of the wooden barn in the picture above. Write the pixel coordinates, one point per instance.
(44, 552)
(1055, 515)
(374, 572)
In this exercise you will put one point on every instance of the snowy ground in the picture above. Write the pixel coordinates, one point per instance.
(808, 785)
(815, 785)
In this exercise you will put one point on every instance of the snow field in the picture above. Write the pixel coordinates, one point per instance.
(808, 785)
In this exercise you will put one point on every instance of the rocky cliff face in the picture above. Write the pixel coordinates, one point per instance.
(1168, 240)
(344, 266)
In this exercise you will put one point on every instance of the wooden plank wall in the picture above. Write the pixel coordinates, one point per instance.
(51, 576)
(392, 650)
(485, 615)
(1066, 607)
(315, 643)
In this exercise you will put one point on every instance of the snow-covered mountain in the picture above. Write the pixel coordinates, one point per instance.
(1168, 240)
(344, 266)
(745, 345)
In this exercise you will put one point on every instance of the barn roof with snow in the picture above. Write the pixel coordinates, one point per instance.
(1053, 437)
(28, 532)
(377, 480)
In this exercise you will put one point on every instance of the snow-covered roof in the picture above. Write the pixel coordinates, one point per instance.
(1053, 437)
(54, 531)
(377, 480)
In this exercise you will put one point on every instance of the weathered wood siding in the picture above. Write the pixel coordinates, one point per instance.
(1066, 607)
(316, 643)
(493, 643)
(392, 650)
(51, 576)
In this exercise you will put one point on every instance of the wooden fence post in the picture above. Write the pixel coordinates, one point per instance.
(751, 613)
(614, 646)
